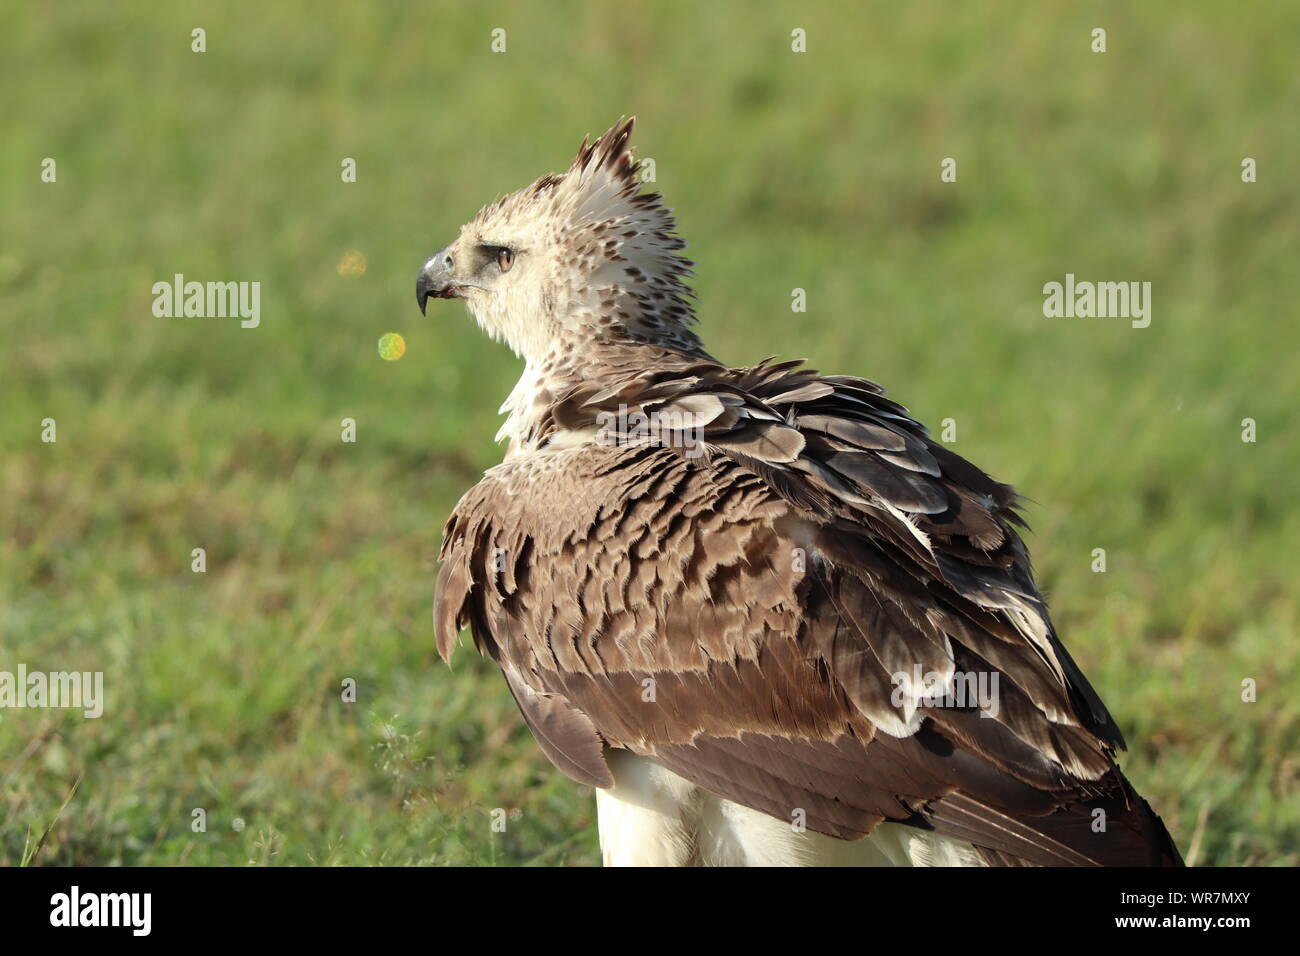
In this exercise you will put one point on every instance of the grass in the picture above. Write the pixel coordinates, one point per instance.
(818, 171)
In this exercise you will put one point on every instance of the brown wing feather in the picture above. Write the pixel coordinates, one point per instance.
(737, 617)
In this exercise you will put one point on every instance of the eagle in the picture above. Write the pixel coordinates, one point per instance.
(759, 610)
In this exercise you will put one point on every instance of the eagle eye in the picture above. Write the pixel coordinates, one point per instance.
(505, 259)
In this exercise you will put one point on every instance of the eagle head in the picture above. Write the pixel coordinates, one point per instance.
(576, 257)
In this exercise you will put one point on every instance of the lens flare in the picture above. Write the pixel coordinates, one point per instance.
(391, 346)
(353, 264)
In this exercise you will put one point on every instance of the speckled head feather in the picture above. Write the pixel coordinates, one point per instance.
(590, 259)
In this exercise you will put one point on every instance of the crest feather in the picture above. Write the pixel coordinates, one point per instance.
(610, 152)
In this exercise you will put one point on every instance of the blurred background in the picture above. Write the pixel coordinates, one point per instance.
(817, 170)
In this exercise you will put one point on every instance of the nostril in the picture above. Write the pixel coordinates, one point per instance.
(447, 263)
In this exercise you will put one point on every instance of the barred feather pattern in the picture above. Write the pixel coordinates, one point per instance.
(767, 569)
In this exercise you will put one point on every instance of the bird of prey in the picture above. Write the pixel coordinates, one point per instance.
(758, 609)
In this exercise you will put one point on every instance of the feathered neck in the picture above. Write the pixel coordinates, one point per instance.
(533, 408)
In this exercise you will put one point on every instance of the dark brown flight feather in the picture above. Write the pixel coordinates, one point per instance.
(773, 683)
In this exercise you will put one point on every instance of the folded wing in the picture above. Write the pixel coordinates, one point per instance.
(731, 581)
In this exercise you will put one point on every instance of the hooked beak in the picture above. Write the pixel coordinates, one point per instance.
(436, 280)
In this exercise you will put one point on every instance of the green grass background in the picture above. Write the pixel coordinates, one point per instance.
(818, 171)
